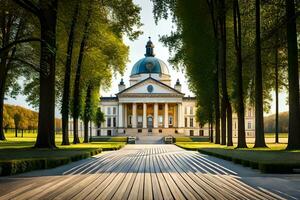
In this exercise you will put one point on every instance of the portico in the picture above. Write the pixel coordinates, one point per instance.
(149, 115)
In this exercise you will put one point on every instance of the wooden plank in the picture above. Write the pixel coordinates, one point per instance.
(176, 192)
(143, 172)
(123, 192)
(85, 186)
(104, 184)
(148, 194)
(157, 193)
(138, 185)
(120, 184)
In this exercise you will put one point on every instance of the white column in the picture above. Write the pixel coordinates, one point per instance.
(166, 121)
(155, 119)
(180, 116)
(125, 116)
(133, 120)
(120, 116)
(144, 115)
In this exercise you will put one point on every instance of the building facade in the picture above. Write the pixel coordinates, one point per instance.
(151, 105)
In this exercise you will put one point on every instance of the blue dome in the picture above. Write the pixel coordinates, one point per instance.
(149, 65)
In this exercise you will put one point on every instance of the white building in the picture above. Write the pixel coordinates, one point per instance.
(151, 105)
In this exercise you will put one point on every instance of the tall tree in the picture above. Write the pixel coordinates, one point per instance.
(87, 116)
(226, 111)
(213, 5)
(293, 77)
(76, 93)
(67, 77)
(46, 11)
(239, 75)
(16, 32)
(259, 115)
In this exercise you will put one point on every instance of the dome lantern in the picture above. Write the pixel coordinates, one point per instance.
(149, 64)
(149, 49)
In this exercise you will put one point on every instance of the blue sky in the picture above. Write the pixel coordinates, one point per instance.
(137, 51)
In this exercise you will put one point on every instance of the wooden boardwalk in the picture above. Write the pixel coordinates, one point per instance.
(142, 172)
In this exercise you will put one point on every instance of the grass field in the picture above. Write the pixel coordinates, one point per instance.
(273, 159)
(22, 147)
(198, 145)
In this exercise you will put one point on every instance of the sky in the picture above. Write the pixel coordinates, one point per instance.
(137, 51)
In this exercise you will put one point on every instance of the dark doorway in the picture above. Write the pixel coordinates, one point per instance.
(191, 132)
(150, 122)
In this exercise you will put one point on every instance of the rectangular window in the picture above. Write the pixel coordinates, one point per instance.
(191, 110)
(249, 125)
(109, 132)
(249, 112)
(114, 122)
(108, 122)
(114, 110)
(185, 122)
(185, 110)
(108, 110)
(191, 122)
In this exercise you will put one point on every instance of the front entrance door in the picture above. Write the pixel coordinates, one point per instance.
(150, 122)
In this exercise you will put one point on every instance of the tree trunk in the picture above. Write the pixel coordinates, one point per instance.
(259, 112)
(223, 122)
(223, 54)
(66, 92)
(76, 94)
(211, 127)
(86, 131)
(46, 133)
(2, 92)
(293, 76)
(217, 102)
(240, 93)
(229, 126)
(276, 96)
(87, 113)
(75, 131)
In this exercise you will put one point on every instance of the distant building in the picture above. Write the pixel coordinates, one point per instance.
(150, 105)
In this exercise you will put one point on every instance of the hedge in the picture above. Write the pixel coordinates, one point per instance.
(191, 139)
(11, 167)
(265, 167)
(108, 139)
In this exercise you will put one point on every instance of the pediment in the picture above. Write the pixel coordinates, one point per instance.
(150, 87)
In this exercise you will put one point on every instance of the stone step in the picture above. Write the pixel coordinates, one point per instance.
(149, 139)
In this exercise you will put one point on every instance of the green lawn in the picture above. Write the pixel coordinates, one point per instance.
(199, 145)
(272, 135)
(17, 154)
(274, 159)
(22, 148)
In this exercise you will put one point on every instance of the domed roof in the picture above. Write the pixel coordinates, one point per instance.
(149, 64)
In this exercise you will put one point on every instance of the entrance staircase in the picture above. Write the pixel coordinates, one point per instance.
(149, 139)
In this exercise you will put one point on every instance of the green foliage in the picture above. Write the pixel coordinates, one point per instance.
(99, 117)
(283, 125)
(266, 160)
(19, 117)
